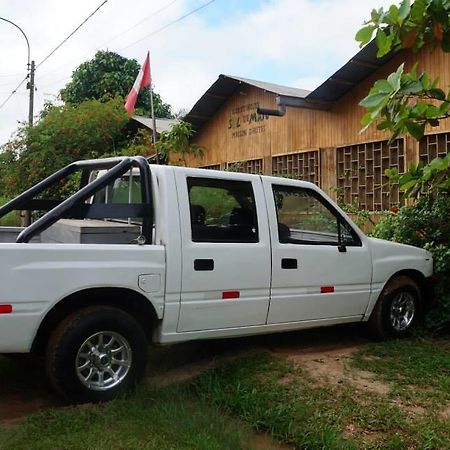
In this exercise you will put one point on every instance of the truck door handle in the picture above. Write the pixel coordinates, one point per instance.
(203, 264)
(289, 263)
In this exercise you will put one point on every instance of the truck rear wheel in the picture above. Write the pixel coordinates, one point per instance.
(96, 354)
(398, 309)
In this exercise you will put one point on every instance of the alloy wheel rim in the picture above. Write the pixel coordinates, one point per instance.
(402, 311)
(103, 361)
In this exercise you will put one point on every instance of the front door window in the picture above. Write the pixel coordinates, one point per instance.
(303, 218)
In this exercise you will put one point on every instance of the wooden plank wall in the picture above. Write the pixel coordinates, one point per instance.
(237, 133)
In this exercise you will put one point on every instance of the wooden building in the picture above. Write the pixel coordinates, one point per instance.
(318, 138)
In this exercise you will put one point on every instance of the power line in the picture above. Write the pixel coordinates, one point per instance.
(54, 50)
(71, 34)
(170, 24)
(179, 19)
(2, 85)
(13, 92)
(141, 21)
(153, 14)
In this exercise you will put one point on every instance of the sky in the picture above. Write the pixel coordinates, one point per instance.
(298, 43)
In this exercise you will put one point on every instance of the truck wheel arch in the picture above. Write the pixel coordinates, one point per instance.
(128, 300)
(415, 276)
(398, 309)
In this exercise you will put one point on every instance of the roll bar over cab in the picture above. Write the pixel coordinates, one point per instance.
(214, 254)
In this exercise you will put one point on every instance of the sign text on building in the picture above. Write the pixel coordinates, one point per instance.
(245, 121)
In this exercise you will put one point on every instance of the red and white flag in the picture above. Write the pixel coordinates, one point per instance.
(143, 80)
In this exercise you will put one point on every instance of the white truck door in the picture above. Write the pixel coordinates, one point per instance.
(225, 250)
(315, 274)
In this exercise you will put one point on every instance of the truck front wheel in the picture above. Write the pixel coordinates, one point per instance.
(95, 354)
(398, 309)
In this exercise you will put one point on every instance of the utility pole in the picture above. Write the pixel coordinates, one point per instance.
(30, 86)
(26, 215)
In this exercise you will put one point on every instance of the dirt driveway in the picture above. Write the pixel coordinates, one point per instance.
(23, 388)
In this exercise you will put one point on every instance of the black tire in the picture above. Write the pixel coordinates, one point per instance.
(398, 309)
(93, 337)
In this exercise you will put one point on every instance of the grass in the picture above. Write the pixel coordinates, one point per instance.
(418, 369)
(155, 420)
(253, 390)
(224, 406)
(274, 396)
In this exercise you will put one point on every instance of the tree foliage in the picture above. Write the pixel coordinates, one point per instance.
(90, 124)
(106, 76)
(432, 180)
(426, 225)
(177, 141)
(406, 102)
(64, 134)
(408, 26)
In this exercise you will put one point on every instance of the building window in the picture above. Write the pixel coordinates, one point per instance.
(254, 166)
(211, 167)
(302, 166)
(433, 146)
(222, 210)
(361, 178)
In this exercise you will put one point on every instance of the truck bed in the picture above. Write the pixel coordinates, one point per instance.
(68, 231)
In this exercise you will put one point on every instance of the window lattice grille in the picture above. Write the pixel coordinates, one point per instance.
(360, 174)
(434, 145)
(303, 166)
(254, 166)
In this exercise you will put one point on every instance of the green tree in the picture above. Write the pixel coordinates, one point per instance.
(108, 75)
(177, 141)
(63, 134)
(406, 102)
(425, 224)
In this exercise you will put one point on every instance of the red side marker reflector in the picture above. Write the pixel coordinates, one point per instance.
(326, 289)
(5, 309)
(230, 294)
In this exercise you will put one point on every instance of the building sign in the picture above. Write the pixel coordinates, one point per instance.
(245, 121)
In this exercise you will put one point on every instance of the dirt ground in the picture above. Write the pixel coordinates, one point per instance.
(323, 352)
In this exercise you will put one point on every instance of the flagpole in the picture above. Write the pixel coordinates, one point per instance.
(153, 122)
(143, 79)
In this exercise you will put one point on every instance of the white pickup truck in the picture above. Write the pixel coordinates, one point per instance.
(210, 254)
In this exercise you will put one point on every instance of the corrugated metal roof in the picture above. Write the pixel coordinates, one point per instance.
(271, 87)
(359, 67)
(161, 124)
(213, 99)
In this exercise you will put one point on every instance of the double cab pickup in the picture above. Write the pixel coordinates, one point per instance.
(146, 253)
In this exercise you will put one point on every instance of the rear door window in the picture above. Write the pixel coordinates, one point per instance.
(222, 210)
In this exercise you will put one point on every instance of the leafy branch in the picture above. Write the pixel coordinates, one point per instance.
(406, 102)
(177, 141)
(429, 180)
(408, 26)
